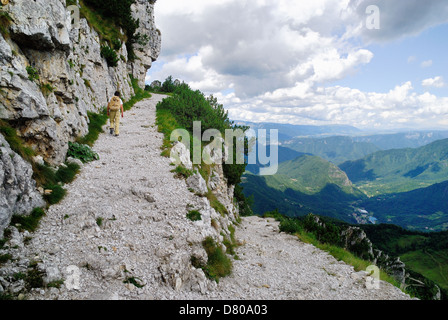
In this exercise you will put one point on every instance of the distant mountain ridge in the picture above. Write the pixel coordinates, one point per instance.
(289, 131)
(284, 154)
(411, 139)
(340, 143)
(400, 170)
(336, 149)
(309, 174)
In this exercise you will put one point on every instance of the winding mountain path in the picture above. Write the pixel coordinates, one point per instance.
(121, 233)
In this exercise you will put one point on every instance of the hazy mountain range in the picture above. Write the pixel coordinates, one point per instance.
(340, 143)
(384, 178)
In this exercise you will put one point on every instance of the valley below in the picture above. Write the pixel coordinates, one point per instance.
(397, 180)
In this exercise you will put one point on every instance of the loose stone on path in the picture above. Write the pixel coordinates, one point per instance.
(122, 233)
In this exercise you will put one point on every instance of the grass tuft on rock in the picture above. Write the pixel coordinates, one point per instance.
(218, 263)
(68, 173)
(56, 195)
(96, 123)
(182, 172)
(194, 215)
(29, 223)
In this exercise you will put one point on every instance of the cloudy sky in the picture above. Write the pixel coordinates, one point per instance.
(373, 64)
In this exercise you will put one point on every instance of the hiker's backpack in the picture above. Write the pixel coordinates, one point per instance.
(115, 103)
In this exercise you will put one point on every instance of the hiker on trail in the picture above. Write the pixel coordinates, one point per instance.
(114, 107)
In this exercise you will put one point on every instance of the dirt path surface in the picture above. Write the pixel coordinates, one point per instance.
(122, 233)
(275, 265)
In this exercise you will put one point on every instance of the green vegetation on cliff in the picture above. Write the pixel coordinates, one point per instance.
(15, 142)
(186, 106)
(218, 263)
(108, 16)
(178, 111)
(5, 21)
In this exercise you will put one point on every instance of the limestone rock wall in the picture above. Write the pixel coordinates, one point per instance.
(18, 192)
(148, 48)
(73, 77)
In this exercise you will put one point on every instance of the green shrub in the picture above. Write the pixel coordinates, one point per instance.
(87, 83)
(116, 44)
(133, 280)
(34, 277)
(29, 223)
(216, 204)
(182, 172)
(325, 232)
(231, 244)
(33, 74)
(15, 142)
(56, 195)
(141, 39)
(168, 85)
(99, 221)
(119, 12)
(110, 55)
(5, 21)
(68, 173)
(5, 258)
(244, 203)
(96, 123)
(71, 2)
(187, 106)
(44, 175)
(107, 27)
(274, 214)
(218, 263)
(290, 225)
(196, 262)
(55, 284)
(166, 124)
(46, 88)
(82, 152)
(194, 215)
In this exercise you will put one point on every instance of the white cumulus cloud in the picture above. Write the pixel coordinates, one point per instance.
(436, 82)
(277, 61)
(426, 64)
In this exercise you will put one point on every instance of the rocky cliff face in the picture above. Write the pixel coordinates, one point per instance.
(18, 192)
(52, 73)
(355, 240)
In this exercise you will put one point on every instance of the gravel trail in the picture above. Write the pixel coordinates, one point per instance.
(124, 218)
(275, 265)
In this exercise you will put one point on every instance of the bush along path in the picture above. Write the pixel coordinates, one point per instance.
(129, 229)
